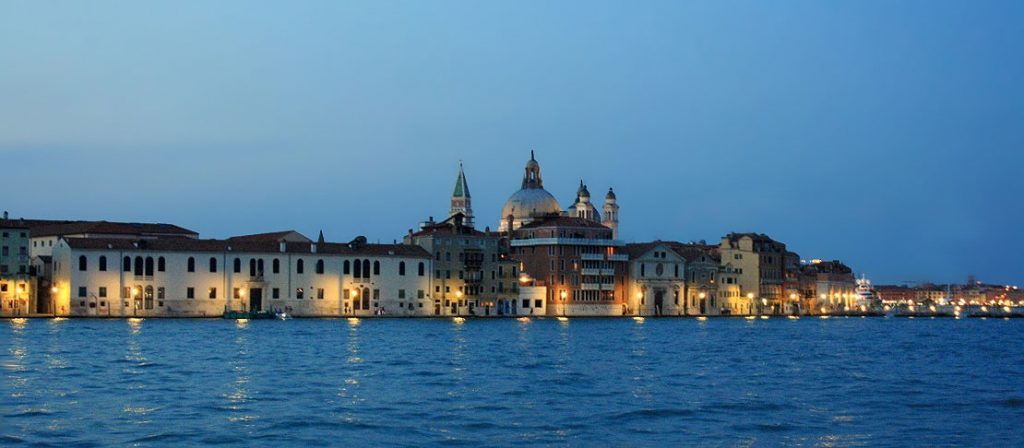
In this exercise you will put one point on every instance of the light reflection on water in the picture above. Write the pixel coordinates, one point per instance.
(584, 382)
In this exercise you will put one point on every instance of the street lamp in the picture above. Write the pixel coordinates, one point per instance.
(135, 303)
(750, 306)
(701, 296)
(458, 301)
(563, 295)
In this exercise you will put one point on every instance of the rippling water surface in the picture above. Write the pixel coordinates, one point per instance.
(661, 382)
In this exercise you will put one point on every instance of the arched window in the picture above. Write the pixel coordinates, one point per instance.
(401, 268)
(149, 266)
(126, 265)
(299, 266)
(161, 264)
(277, 265)
(138, 266)
(238, 265)
(83, 263)
(376, 268)
(213, 264)
(366, 298)
(357, 269)
(259, 267)
(319, 266)
(421, 270)
(346, 268)
(642, 266)
(103, 262)
(366, 268)
(252, 267)
(191, 264)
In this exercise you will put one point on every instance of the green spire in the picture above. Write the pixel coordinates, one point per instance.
(461, 186)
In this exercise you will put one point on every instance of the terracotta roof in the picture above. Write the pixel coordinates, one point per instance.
(197, 245)
(270, 236)
(57, 228)
(13, 224)
(693, 251)
(563, 221)
(636, 250)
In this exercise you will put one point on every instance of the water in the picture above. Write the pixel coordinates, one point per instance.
(604, 382)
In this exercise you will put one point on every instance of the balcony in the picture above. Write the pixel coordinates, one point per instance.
(597, 286)
(566, 242)
(592, 257)
(598, 272)
(618, 257)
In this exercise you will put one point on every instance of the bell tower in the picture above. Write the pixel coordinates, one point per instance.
(461, 201)
(611, 213)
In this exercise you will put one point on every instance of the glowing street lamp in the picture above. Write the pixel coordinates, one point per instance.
(563, 295)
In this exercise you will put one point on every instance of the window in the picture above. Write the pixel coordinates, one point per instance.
(643, 269)
(401, 268)
(537, 304)
(126, 265)
(5, 251)
(422, 267)
(213, 293)
(191, 264)
(276, 292)
(420, 294)
(357, 269)
(161, 264)
(300, 266)
(252, 267)
(237, 293)
(238, 265)
(83, 263)
(103, 263)
(190, 293)
(366, 269)
(376, 268)
(401, 293)
(526, 303)
(213, 266)
(103, 291)
(138, 266)
(320, 293)
(81, 291)
(160, 293)
(320, 268)
(345, 269)
(298, 293)
(276, 266)
(149, 267)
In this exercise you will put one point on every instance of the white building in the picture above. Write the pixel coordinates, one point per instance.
(657, 280)
(185, 277)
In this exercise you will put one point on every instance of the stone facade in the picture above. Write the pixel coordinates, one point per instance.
(188, 278)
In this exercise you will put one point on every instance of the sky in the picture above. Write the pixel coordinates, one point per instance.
(887, 134)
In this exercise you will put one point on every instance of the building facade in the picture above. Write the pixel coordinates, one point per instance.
(17, 282)
(183, 277)
(657, 280)
(759, 263)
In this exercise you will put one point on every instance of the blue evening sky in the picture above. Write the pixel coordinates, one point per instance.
(887, 134)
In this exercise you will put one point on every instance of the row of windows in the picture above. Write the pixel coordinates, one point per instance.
(21, 234)
(147, 292)
(144, 266)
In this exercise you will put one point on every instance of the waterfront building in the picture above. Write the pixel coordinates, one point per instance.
(578, 261)
(17, 283)
(657, 280)
(179, 277)
(472, 273)
(711, 287)
(45, 233)
(827, 286)
(759, 261)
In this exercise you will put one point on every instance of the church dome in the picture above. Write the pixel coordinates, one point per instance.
(531, 201)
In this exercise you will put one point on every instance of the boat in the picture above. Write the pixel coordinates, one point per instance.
(282, 315)
(252, 314)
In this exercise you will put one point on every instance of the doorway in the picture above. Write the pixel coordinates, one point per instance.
(256, 299)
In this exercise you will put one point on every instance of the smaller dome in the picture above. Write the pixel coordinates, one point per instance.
(583, 192)
(610, 195)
